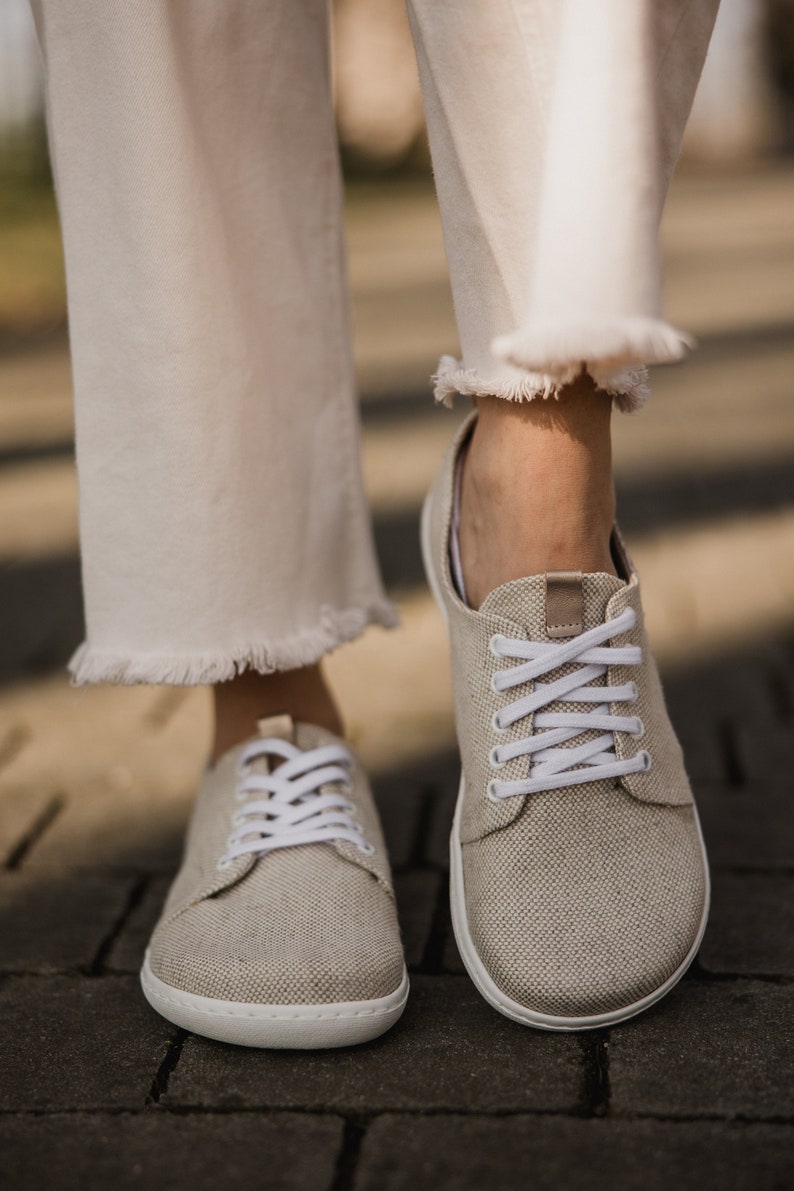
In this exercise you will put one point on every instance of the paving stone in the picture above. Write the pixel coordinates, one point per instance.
(450, 1050)
(128, 829)
(769, 752)
(125, 760)
(126, 955)
(731, 717)
(400, 808)
(749, 827)
(751, 925)
(698, 736)
(436, 848)
(411, 801)
(51, 921)
(288, 1152)
(78, 1043)
(452, 961)
(711, 1047)
(417, 898)
(468, 1153)
(46, 630)
(23, 811)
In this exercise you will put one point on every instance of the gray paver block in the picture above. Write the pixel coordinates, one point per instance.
(450, 1050)
(126, 954)
(137, 830)
(437, 844)
(77, 1042)
(411, 801)
(716, 1047)
(452, 961)
(737, 698)
(751, 827)
(466, 1153)
(400, 807)
(417, 897)
(751, 926)
(51, 921)
(128, 1152)
(21, 809)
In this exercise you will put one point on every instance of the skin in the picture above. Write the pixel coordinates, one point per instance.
(251, 696)
(537, 492)
(537, 495)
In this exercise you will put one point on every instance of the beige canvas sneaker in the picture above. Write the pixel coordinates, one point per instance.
(579, 880)
(280, 929)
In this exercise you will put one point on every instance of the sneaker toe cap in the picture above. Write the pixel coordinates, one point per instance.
(269, 941)
(590, 925)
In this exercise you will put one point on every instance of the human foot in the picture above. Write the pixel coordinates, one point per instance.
(280, 929)
(579, 882)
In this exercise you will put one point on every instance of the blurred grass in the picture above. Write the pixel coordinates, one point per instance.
(32, 283)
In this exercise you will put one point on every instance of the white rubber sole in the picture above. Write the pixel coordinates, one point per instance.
(279, 1027)
(479, 974)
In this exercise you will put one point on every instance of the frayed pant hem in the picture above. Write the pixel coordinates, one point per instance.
(548, 358)
(336, 628)
(628, 387)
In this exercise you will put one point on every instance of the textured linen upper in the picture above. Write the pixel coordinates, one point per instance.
(312, 924)
(580, 900)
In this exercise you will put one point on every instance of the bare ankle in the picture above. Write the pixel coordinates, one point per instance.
(537, 492)
(241, 702)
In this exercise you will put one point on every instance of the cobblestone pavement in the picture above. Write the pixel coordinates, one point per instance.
(95, 785)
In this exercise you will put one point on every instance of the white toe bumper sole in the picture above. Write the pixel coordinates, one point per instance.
(285, 1027)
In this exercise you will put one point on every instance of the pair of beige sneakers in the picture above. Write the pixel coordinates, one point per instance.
(579, 882)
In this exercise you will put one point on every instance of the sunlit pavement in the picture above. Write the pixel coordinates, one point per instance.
(95, 785)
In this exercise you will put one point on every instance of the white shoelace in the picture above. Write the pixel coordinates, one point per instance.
(289, 806)
(552, 767)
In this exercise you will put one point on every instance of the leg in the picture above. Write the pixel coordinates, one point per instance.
(550, 206)
(223, 526)
(579, 883)
(537, 491)
(224, 532)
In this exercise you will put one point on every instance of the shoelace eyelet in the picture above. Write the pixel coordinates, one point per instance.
(490, 792)
(497, 727)
(223, 864)
(492, 646)
(366, 848)
(647, 761)
(639, 730)
(493, 760)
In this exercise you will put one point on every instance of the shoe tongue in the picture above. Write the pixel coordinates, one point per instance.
(533, 602)
(282, 727)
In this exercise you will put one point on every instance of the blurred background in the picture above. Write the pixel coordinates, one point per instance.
(704, 475)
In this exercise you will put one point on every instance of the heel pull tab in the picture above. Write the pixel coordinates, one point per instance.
(564, 604)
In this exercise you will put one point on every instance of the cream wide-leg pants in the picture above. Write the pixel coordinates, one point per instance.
(222, 517)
